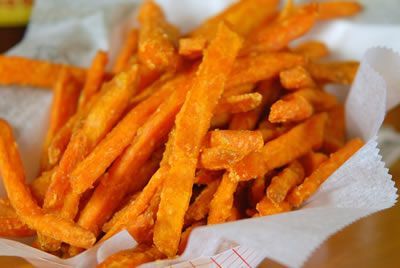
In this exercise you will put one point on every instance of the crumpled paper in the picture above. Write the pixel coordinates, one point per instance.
(71, 32)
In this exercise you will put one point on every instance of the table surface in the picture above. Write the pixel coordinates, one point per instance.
(373, 241)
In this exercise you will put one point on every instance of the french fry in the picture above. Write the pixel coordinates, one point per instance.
(338, 9)
(21, 71)
(257, 191)
(40, 185)
(220, 120)
(312, 182)
(286, 180)
(132, 258)
(191, 126)
(204, 176)
(313, 50)
(23, 202)
(238, 90)
(334, 130)
(128, 49)
(291, 108)
(185, 236)
(192, 48)
(296, 78)
(157, 39)
(267, 207)
(282, 150)
(65, 102)
(287, 10)
(333, 72)
(239, 103)
(311, 161)
(321, 100)
(263, 66)
(94, 79)
(271, 131)
(10, 224)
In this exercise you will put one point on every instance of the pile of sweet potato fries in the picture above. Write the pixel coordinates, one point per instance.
(224, 123)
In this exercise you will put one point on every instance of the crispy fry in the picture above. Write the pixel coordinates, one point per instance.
(238, 90)
(334, 130)
(334, 72)
(312, 182)
(321, 100)
(239, 103)
(296, 78)
(64, 105)
(192, 48)
(204, 176)
(291, 108)
(312, 49)
(23, 202)
(254, 68)
(10, 224)
(287, 10)
(191, 126)
(94, 79)
(128, 49)
(132, 258)
(271, 131)
(220, 120)
(267, 207)
(282, 150)
(40, 185)
(338, 9)
(257, 191)
(311, 161)
(157, 39)
(21, 71)
(282, 183)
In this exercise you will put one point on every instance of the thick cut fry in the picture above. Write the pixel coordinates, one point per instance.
(22, 201)
(291, 108)
(186, 234)
(239, 103)
(311, 161)
(279, 34)
(282, 150)
(311, 183)
(257, 191)
(128, 49)
(254, 68)
(192, 48)
(191, 126)
(296, 78)
(312, 50)
(337, 9)
(267, 207)
(10, 224)
(21, 71)
(238, 90)
(40, 185)
(238, 17)
(94, 79)
(320, 100)
(65, 102)
(334, 130)
(204, 176)
(271, 131)
(132, 258)
(282, 183)
(334, 72)
(198, 210)
(157, 39)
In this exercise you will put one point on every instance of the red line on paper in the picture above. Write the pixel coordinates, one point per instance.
(244, 261)
(214, 261)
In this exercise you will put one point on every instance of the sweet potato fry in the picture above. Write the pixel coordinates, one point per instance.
(21, 71)
(271, 131)
(220, 120)
(267, 207)
(204, 176)
(286, 180)
(291, 108)
(245, 141)
(40, 185)
(22, 201)
(257, 191)
(295, 78)
(239, 103)
(157, 39)
(10, 224)
(192, 47)
(191, 126)
(320, 100)
(65, 102)
(185, 236)
(311, 161)
(287, 10)
(334, 130)
(237, 16)
(132, 258)
(312, 49)
(333, 72)
(254, 68)
(282, 150)
(94, 79)
(238, 90)
(312, 182)
(338, 9)
(128, 49)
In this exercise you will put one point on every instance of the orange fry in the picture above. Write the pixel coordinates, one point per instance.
(191, 126)
(192, 48)
(254, 68)
(10, 224)
(291, 108)
(40, 185)
(21, 71)
(239, 103)
(334, 72)
(271, 131)
(22, 201)
(295, 78)
(311, 161)
(244, 141)
(257, 191)
(334, 130)
(238, 90)
(94, 79)
(312, 49)
(320, 100)
(337, 9)
(282, 150)
(185, 236)
(312, 182)
(128, 49)
(267, 207)
(286, 180)
(204, 176)
(64, 105)
(157, 39)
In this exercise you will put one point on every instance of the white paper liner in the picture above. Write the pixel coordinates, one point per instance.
(71, 32)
